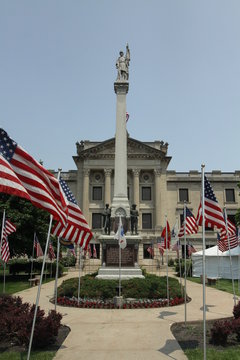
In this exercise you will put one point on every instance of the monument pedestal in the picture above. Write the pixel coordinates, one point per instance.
(110, 258)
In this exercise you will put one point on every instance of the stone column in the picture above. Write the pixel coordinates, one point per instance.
(86, 173)
(158, 205)
(120, 200)
(161, 197)
(107, 195)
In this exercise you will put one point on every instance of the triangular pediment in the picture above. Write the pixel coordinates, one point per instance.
(135, 148)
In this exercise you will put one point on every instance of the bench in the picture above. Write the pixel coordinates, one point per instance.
(34, 281)
(212, 281)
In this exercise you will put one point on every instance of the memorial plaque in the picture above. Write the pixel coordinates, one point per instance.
(127, 255)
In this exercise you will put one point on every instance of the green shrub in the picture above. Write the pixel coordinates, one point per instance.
(170, 262)
(68, 261)
(188, 267)
(152, 287)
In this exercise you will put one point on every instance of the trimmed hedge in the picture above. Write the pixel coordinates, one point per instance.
(152, 287)
(24, 266)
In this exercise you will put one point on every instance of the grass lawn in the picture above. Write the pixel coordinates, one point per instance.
(16, 283)
(35, 355)
(212, 354)
(221, 284)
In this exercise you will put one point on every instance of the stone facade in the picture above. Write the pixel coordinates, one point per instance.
(155, 190)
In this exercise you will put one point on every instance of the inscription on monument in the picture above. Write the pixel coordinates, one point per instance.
(127, 255)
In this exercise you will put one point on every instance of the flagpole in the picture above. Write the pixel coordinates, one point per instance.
(238, 238)
(204, 264)
(166, 235)
(230, 257)
(4, 277)
(3, 222)
(39, 289)
(185, 264)
(56, 275)
(79, 273)
(32, 256)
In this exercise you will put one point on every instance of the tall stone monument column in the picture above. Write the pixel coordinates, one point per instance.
(120, 204)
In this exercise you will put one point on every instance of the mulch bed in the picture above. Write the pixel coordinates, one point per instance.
(62, 334)
(191, 336)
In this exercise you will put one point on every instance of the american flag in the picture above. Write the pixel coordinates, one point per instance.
(191, 249)
(191, 226)
(176, 247)
(160, 245)
(150, 250)
(221, 244)
(8, 229)
(51, 253)
(41, 186)
(168, 236)
(9, 182)
(37, 247)
(231, 230)
(94, 251)
(213, 212)
(71, 249)
(77, 229)
(89, 251)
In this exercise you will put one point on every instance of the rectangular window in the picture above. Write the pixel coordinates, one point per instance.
(97, 193)
(96, 221)
(146, 193)
(147, 221)
(183, 195)
(230, 195)
(232, 219)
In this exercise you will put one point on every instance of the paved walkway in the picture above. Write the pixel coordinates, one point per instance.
(139, 334)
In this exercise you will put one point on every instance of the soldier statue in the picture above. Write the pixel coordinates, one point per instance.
(134, 219)
(107, 219)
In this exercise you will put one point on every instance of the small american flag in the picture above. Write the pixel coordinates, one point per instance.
(213, 212)
(191, 226)
(89, 251)
(150, 250)
(37, 247)
(176, 247)
(8, 229)
(191, 249)
(94, 251)
(51, 253)
(160, 245)
(221, 244)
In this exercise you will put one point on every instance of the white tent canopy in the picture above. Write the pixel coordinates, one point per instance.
(217, 263)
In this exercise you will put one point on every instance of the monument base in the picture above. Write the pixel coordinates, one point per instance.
(112, 273)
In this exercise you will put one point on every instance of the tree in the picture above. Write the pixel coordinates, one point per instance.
(28, 219)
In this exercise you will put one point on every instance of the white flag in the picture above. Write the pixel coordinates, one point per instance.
(120, 235)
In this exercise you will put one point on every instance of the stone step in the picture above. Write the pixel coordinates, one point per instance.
(113, 273)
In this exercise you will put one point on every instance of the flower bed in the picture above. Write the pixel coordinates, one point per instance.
(109, 304)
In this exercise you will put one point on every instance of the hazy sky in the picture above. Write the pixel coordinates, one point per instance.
(57, 69)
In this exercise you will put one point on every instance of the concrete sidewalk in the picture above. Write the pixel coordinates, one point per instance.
(136, 334)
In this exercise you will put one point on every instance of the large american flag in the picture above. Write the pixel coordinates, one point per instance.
(37, 247)
(9, 182)
(77, 229)
(213, 212)
(191, 226)
(231, 230)
(41, 187)
(8, 229)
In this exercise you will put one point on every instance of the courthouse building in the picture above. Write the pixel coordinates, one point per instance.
(157, 192)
